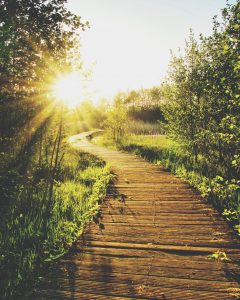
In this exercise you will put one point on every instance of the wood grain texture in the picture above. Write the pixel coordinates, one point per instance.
(151, 240)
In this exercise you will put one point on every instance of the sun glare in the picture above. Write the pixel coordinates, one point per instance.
(67, 88)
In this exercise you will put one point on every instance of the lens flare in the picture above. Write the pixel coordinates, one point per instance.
(68, 89)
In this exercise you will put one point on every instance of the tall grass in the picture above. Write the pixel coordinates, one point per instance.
(37, 230)
(147, 128)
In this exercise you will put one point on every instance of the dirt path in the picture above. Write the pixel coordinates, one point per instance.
(151, 241)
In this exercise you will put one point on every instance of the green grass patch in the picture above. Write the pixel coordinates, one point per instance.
(102, 140)
(153, 141)
(37, 231)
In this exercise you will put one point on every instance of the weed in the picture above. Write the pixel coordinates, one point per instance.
(219, 256)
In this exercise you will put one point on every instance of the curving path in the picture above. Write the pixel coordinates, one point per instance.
(151, 240)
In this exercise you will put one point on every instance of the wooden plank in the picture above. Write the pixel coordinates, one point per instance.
(175, 248)
(163, 257)
(135, 267)
(137, 291)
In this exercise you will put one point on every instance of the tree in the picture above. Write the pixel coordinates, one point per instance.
(184, 95)
(37, 39)
(116, 122)
(202, 96)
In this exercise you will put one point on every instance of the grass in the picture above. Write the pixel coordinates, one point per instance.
(153, 141)
(104, 141)
(140, 127)
(37, 231)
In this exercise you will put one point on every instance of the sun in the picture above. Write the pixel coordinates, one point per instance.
(68, 89)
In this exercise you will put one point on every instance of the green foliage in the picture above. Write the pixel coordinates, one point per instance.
(144, 98)
(219, 256)
(41, 227)
(202, 98)
(116, 122)
(37, 40)
(88, 116)
(135, 112)
(145, 105)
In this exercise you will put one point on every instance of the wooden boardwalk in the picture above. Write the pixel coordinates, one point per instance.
(151, 240)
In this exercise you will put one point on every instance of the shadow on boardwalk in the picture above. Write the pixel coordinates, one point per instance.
(151, 240)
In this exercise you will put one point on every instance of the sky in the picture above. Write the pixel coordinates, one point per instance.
(128, 44)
